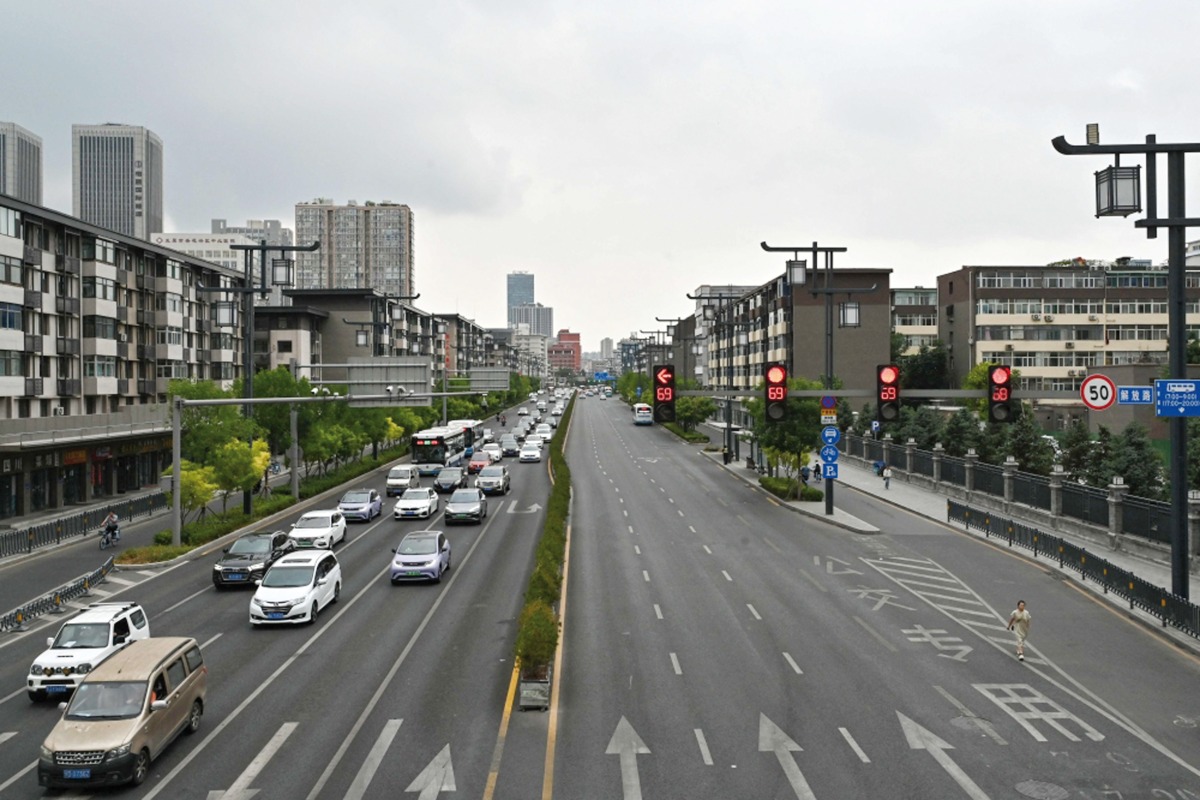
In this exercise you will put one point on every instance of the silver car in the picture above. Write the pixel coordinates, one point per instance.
(466, 505)
(421, 556)
(493, 480)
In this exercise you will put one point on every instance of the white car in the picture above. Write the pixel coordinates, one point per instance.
(322, 529)
(522, 412)
(296, 588)
(416, 504)
(83, 642)
(529, 453)
(494, 451)
(535, 440)
(544, 430)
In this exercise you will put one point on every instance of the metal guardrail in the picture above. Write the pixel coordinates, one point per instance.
(1170, 608)
(87, 522)
(52, 602)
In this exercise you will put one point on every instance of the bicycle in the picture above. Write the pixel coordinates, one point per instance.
(109, 537)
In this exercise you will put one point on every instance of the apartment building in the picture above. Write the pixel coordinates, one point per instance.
(368, 246)
(914, 316)
(20, 163)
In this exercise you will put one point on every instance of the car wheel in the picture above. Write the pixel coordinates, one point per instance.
(438, 579)
(141, 767)
(337, 591)
(314, 613)
(449, 558)
(36, 697)
(193, 723)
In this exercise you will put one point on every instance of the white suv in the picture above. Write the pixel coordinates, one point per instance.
(296, 588)
(81, 644)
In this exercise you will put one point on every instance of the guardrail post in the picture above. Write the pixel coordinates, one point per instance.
(87, 588)
(20, 627)
(887, 448)
(910, 449)
(938, 450)
(1057, 473)
(57, 608)
(1010, 471)
(969, 462)
(1116, 502)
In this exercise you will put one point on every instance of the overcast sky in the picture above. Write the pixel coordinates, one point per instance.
(626, 152)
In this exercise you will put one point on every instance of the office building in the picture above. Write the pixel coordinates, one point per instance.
(538, 318)
(20, 163)
(211, 247)
(117, 178)
(606, 348)
(520, 292)
(368, 246)
(270, 231)
(914, 316)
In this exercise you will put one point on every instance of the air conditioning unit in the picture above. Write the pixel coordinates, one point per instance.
(1008, 347)
(60, 411)
(122, 337)
(1070, 345)
(1049, 318)
(1092, 318)
(1035, 317)
(1071, 373)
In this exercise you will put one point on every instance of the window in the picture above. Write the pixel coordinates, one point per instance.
(11, 363)
(285, 345)
(100, 288)
(169, 301)
(176, 673)
(170, 335)
(11, 271)
(10, 316)
(171, 369)
(10, 222)
(170, 269)
(99, 327)
(100, 367)
(99, 250)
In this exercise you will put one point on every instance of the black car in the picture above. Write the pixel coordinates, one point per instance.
(248, 558)
(449, 479)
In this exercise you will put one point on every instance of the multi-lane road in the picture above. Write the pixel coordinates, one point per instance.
(716, 645)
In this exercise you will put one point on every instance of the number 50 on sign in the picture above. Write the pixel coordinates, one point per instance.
(1098, 392)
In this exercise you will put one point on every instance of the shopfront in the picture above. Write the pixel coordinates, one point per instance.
(10, 487)
(74, 476)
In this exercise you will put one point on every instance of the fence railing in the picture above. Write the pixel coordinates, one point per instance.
(26, 540)
(53, 602)
(1171, 609)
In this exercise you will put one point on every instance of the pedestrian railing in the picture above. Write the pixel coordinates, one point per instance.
(26, 540)
(54, 602)
(1170, 608)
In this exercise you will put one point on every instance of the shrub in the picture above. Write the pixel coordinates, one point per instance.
(785, 487)
(537, 636)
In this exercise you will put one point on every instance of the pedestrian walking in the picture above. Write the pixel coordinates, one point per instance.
(1019, 624)
(816, 471)
(887, 476)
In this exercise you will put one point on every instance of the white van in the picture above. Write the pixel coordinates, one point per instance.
(404, 476)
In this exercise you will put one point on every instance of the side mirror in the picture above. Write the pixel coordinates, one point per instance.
(226, 550)
(258, 582)
(62, 706)
(322, 581)
(393, 549)
(159, 705)
(49, 641)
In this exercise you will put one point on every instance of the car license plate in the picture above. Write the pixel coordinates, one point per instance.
(274, 615)
(77, 774)
(55, 689)
(412, 573)
(235, 577)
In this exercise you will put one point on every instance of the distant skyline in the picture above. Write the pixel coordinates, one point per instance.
(626, 153)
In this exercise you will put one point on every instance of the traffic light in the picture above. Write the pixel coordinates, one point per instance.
(775, 394)
(887, 392)
(1000, 408)
(664, 393)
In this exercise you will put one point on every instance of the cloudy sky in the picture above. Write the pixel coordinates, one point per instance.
(626, 152)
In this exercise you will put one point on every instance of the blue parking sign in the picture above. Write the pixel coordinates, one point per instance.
(830, 471)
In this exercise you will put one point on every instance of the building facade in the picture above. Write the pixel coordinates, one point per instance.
(212, 247)
(362, 246)
(537, 317)
(565, 352)
(117, 178)
(520, 292)
(20, 163)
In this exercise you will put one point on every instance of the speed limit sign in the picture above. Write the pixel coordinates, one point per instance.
(1098, 392)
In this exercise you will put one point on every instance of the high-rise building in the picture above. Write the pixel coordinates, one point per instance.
(117, 178)
(270, 231)
(606, 348)
(520, 293)
(538, 317)
(20, 163)
(362, 246)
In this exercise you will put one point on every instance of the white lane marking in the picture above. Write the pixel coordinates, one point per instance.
(707, 550)
(191, 596)
(675, 664)
(149, 573)
(625, 511)
(704, 754)
(646, 576)
(878, 636)
(620, 499)
(727, 576)
(652, 479)
(101, 592)
(32, 766)
(671, 500)
(241, 786)
(657, 612)
(754, 611)
(982, 724)
(363, 779)
(661, 489)
(8, 697)
(680, 510)
(637, 550)
(854, 746)
(4, 737)
(792, 663)
(119, 581)
(812, 580)
(204, 645)
(630, 528)
(690, 528)
(772, 545)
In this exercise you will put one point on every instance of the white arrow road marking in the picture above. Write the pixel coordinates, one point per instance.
(365, 773)
(628, 745)
(844, 569)
(921, 739)
(533, 509)
(438, 776)
(771, 739)
(240, 790)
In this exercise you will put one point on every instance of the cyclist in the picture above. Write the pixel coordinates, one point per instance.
(112, 526)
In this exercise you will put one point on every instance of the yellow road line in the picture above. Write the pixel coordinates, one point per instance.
(552, 733)
(498, 753)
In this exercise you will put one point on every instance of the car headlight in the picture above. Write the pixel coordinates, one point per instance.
(47, 753)
(216, 567)
(117, 752)
(83, 669)
(432, 562)
(37, 669)
(254, 602)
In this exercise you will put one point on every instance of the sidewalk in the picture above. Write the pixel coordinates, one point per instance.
(859, 476)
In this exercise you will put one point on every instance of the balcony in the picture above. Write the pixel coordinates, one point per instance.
(147, 386)
(33, 387)
(123, 351)
(123, 386)
(68, 264)
(67, 305)
(67, 347)
(69, 387)
(33, 343)
(145, 318)
(146, 352)
(122, 313)
(33, 299)
(141, 281)
(33, 256)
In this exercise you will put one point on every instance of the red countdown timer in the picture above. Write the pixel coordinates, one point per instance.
(664, 393)
(777, 383)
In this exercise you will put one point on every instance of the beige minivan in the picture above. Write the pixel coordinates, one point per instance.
(401, 477)
(125, 713)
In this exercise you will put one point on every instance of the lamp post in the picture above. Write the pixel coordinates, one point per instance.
(281, 270)
(1118, 193)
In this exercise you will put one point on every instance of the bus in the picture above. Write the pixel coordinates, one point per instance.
(435, 448)
(642, 414)
(472, 431)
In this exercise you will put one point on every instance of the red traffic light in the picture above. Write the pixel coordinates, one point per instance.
(664, 375)
(889, 374)
(776, 374)
(999, 375)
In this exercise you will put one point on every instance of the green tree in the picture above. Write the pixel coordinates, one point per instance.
(928, 368)
(1033, 453)
(920, 423)
(862, 423)
(1136, 460)
(1077, 449)
(275, 418)
(1099, 470)
(207, 428)
(198, 486)
(993, 445)
(961, 433)
(238, 466)
(691, 410)
(897, 344)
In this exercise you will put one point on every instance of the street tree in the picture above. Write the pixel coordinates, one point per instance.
(1099, 469)
(198, 486)
(238, 466)
(961, 433)
(1033, 453)
(920, 423)
(928, 368)
(206, 428)
(691, 410)
(1136, 460)
(799, 432)
(1076, 449)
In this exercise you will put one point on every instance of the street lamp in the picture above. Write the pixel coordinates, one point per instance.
(1118, 193)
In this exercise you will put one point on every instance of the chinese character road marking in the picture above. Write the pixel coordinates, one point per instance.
(882, 597)
(844, 569)
(940, 639)
(1026, 705)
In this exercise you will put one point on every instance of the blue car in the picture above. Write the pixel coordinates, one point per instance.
(361, 504)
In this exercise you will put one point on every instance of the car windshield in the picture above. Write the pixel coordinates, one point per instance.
(282, 577)
(418, 546)
(415, 494)
(356, 497)
(399, 472)
(313, 522)
(255, 546)
(464, 496)
(450, 474)
(82, 635)
(107, 700)
(492, 472)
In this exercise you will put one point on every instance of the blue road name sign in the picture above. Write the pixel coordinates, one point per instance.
(829, 454)
(600, 376)
(830, 471)
(830, 434)
(1177, 398)
(1135, 395)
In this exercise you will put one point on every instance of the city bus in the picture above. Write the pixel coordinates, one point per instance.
(472, 431)
(642, 414)
(435, 448)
